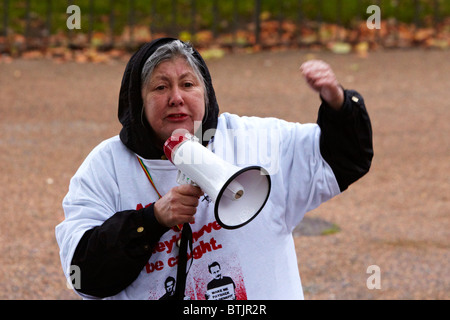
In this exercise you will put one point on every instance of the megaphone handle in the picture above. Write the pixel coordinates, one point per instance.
(184, 179)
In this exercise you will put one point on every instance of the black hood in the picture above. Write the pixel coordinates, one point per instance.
(136, 132)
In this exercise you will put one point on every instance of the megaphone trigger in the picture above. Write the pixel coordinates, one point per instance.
(184, 179)
(239, 194)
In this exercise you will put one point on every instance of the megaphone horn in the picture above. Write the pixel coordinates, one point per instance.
(239, 194)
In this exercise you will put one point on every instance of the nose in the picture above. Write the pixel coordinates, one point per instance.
(176, 98)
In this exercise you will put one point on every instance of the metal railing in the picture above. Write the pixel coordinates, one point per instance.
(29, 24)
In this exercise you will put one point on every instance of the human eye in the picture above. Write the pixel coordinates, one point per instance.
(190, 82)
(160, 87)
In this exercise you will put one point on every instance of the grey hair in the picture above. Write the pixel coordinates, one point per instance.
(170, 51)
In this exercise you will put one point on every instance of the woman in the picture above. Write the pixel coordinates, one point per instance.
(123, 205)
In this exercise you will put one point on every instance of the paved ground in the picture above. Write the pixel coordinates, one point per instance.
(397, 217)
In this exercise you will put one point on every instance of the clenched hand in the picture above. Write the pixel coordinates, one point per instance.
(178, 206)
(322, 79)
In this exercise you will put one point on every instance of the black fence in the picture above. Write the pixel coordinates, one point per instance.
(106, 24)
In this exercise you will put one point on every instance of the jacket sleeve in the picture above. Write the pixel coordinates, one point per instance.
(346, 138)
(112, 255)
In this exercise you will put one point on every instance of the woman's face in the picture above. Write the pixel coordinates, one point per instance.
(174, 98)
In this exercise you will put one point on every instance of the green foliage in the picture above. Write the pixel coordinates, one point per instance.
(166, 16)
(332, 230)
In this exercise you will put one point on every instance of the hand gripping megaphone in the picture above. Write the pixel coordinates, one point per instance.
(239, 194)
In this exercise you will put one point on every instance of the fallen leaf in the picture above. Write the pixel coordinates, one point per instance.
(340, 47)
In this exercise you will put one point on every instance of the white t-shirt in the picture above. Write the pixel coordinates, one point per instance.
(257, 261)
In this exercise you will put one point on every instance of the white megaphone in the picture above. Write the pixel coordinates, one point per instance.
(239, 194)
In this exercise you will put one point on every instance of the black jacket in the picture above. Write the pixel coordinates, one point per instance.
(112, 255)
